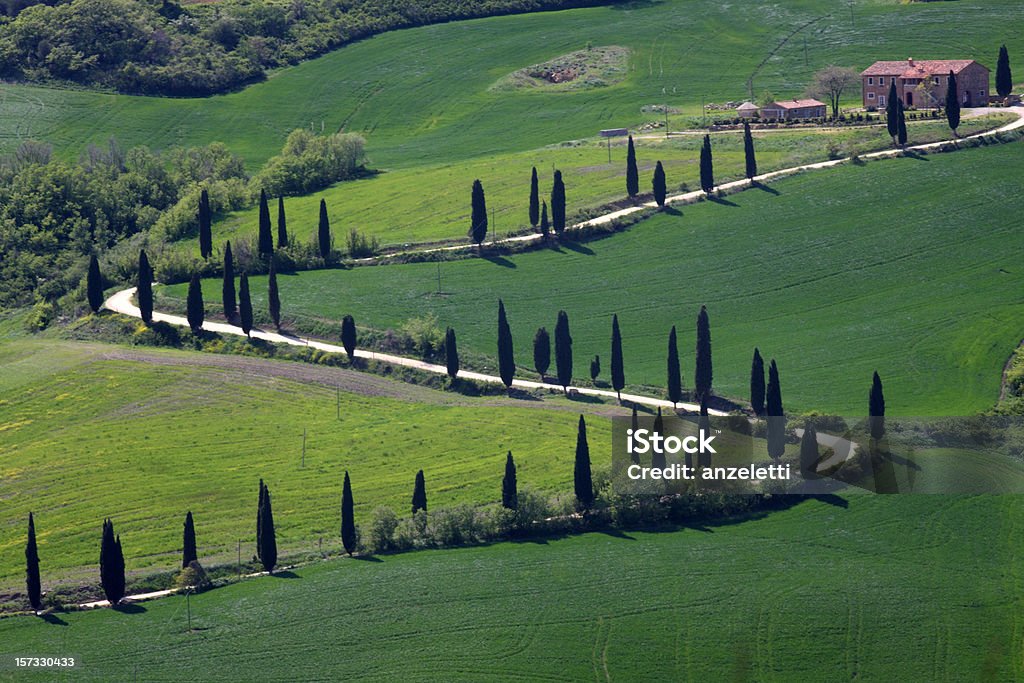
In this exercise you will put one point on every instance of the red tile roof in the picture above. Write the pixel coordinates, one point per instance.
(912, 68)
(795, 104)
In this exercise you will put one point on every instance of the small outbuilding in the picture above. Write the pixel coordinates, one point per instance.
(747, 110)
(794, 109)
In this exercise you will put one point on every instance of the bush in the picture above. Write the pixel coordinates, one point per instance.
(193, 576)
(359, 245)
(382, 530)
(309, 162)
(425, 335)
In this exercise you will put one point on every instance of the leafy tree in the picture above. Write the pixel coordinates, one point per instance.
(244, 305)
(323, 233)
(595, 368)
(33, 584)
(348, 521)
(111, 564)
(830, 83)
(419, 494)
(274, 296)
(478, 227)
(266, 237)
(892, 111)
(876, 408)
(1004, 77)
(94, 284)
(582, 481)
(545, 225)
(707, 169)
(534, 199)
(757, 383)
(542, 351)
(509, 487)
(618, 373)
(675, 379)
(189, 554)
(703, 370)
(901, 126)
(632, 173)
(952, 104)
(748, 151)
(809, 455)
(267, 535)
(776, 415)
(660, 189)
(194, 305)
(144, 288)
(282, 225)
(227, 289)
(658, 459)
(558, 204)
(506, 354)
(348, 336)
(563, 351)
(451, 353)
(205, 225)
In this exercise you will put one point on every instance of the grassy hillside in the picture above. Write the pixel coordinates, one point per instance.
(423, 94)
(90, 431)
(810, 270)
(884, 589)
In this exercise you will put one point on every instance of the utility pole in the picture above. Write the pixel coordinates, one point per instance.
(439, 279)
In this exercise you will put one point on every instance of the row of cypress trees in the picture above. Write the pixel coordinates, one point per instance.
(538, 210)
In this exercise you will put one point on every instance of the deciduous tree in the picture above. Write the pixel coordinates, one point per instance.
(830, 83)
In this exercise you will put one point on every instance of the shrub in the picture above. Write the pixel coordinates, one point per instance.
(425, 335)
(360, 246)
(309, 162)
(382, 530)
(193, 576)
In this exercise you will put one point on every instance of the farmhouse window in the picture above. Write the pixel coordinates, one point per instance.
(881, 80)
(871, 80)
(981, 94)
(871, 95)
(936, 80)
(881, 100)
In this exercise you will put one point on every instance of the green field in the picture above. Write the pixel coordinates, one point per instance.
(905, 266)
(422, 95)
(90, 431)
(916, 588)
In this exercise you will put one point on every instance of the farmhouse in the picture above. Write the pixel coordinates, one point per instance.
(747, 110)
(794, 109)
(923, 83)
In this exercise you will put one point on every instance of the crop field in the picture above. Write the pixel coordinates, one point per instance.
(424, 95)
(871, 588)
(808, 270)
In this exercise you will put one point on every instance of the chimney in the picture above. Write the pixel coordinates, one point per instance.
(910, 61)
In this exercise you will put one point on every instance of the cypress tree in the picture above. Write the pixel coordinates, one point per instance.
(244, 305)
(618, 373)
(111, 564)
(582, 481)
(558, 204)
(259, 519)
(563, 351)
(189, 554)
(632, 173)
(660, 189)
(451, 353)
(506, 355)
(658, 459)
(901, 126)
(144, 290)
(274, 296)
(94, 284)
(595, 368)
(419, 494)
(266, 237)
(268, 537)
(704, 424)
(534, 199)
(478, 226)
(33, 584)
(545, 225)
(634, 456)
(509, 487)
(205, 225)
(757, 383)
(876, 408)
(776, 415)
(748, 151)
(323, 233)
(227, 288)
(675, 379)
(703, 370)
(1004, 77)
(892, 113)
(809, 452)
(707, 169)
(348, 522)
(952, 104)
(542, 351)
(282, 225)
(195, 312)
(348, 336)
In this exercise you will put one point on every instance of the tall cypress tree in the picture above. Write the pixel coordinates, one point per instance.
(194, 305)
(282, 225)
(632, 173)
(33, 584)
(534, 199)
(618, 373)
(558, 204)
(509, 487)
(952, 104)
(259, 519)
(268, 536)
(1004, 77)
(658, 459)
(703, 371)
(94, 284)
(892, 111)
(901, 126)
(244, 305)
(757, 383)
(748, 151)
(111, 564)
(583, 484)
(704, 424)
(274, 297)
(809, 452)
(658, 184)
(205, 225)
(348, 521)
(876, 408)
(189, 554)
(227, 288)
(266, 236)
(675, 379)
(707, 167)
(776, 415)
(635, 424)
(419, 494)
(506, 354)
(348, 336)
(478, 224)
(542, 351)
(595, 368)
(144, 291)
(545, 224)
(563, 351)
(451, 353)
(323, 233)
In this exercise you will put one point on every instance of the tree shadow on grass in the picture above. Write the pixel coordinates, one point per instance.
(722, 200)
(578, 248)
(911, 154)
(286, 575)
(672, 211)
(53, 619)
(585, 398)
(521, 395)
(130, 608)
(765, 188)
(498, 260)
(367, 558)
(617, 533)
